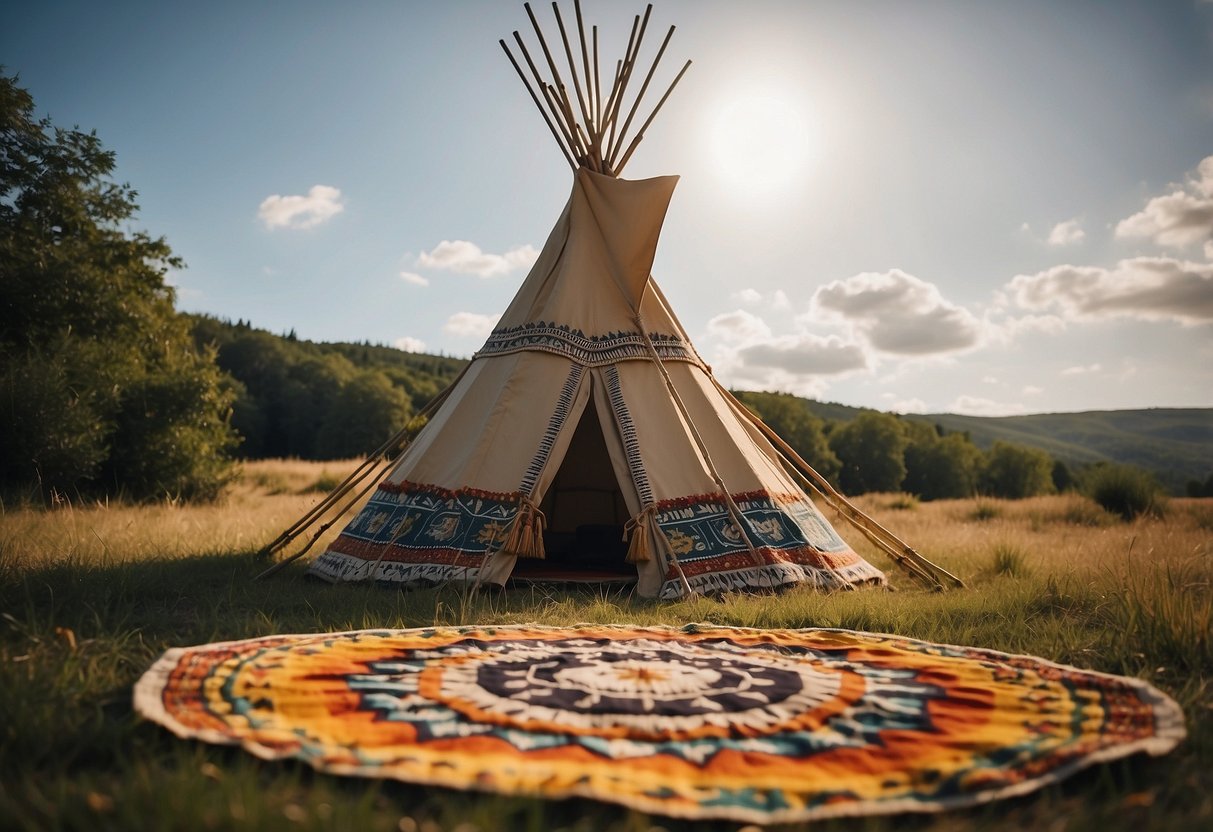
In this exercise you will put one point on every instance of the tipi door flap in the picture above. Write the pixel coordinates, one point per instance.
(619, 436)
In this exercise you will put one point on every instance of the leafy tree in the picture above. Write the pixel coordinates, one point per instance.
(872, 449)
(1196, 488)
(1125, 490)
(368, 411)
(101, 385)
(942, 468)
(790, 417)
(1063, 478)
(1014, 471)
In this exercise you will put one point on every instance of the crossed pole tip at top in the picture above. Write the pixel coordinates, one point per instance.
(591, 135)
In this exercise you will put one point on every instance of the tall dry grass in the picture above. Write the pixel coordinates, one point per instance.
(91, 594)
(268, 496)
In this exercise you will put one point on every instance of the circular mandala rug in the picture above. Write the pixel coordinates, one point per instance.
(700, 722)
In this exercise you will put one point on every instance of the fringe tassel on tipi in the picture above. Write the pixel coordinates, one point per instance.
(525, 537)
(641, 529)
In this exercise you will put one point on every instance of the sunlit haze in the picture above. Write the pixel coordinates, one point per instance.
(985, 208)
(761, 142)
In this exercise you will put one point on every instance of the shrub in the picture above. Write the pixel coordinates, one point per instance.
(984, 510)
(903, 502)
(1016, 471)
(1080, 511)
(1126, 491)
(1010, 560)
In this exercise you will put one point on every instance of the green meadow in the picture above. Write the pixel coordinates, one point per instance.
(91, 595)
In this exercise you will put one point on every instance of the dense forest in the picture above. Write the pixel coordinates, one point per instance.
(301, 399)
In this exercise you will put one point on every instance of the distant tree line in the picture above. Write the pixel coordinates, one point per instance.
(883, 452)
(318, 401)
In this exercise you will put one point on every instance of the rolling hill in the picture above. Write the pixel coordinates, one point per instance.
(1175, 444)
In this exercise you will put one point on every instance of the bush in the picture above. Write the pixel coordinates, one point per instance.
(872, 448)
(1015, 471)
(1010, 560)
(903, 502)
(1126, 491)
(1080, 511)
(985, 510)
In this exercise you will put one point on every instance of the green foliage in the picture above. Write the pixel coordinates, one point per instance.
(791, 418)
(1196, 488)
(369, 410)
(1063, 479)
(101, 387)
(1014, 472)
(941, 468)
(301, 399)
(872, 450)
(1124, 490)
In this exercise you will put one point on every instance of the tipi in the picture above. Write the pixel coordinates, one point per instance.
(587, 418)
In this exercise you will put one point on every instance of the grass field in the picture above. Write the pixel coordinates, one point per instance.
(91, 595)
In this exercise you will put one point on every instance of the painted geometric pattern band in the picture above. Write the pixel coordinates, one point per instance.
(757, 726)
(588, 350)
(627, 429)
(409, 531)
(792, 542)
(412, 525)
(560, 415)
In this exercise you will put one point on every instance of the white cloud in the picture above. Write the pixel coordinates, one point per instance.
(748, 355)
(469, 324)
(1209, 250)
(1066, 233)
(409, 344)
(1008, 330)
(989, 380)
(752, 297)
(414, 279)
(1149, 288)
(322, 203)
(1081, 370)
(802, 355)
(1181, 218)
(1032, 390)
(465, 257)
(900, 314)
(976, 406)
(908, 406)
(738, 327)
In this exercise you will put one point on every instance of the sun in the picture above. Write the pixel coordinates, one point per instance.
(761, 142)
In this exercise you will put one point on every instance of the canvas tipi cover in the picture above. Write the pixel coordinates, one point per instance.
(588, 408)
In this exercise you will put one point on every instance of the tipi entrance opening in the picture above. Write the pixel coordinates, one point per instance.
(586, 513)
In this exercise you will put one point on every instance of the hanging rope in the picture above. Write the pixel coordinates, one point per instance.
(734, 512)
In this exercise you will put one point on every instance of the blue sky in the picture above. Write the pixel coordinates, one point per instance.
(986, 208)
